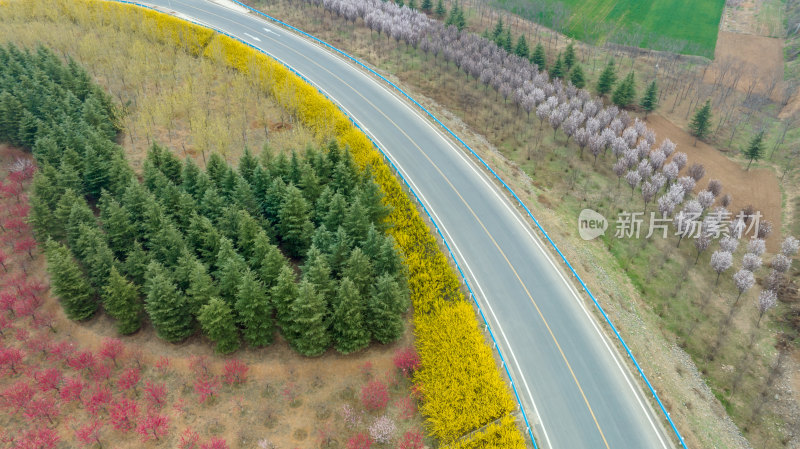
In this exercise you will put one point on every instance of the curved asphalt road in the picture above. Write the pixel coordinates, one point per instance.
(574, 387)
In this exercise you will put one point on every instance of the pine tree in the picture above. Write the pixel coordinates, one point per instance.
(121, 301)
(755, 149)
(412, 4)
(309, 329)
(569, 57)
(522, 49)
(92, 250)
(95, 172)
(385, 307)
(339, 250)
(117, 224)
(650, 99)
(317, 272)
(625, 92)
(456, 18)
(294, 223)
(607, 79)
(136, 263)
(217, 322)
(440, 10)
(426, 5)
(357, 222)
(168, 310)
(539, 58)
(337, 212)
(254, 311)
(360, 271)
(349, 332)
(372, 199)
(507, 41)
(701, 122)
(230, 266)
(577, 77)
(203, 236)
(79, 214)
(497, 32)
(557, 72)
(247, 165)
(68, 283)
(267, 260)
(283, 295)
(43, 203)
(201, 287)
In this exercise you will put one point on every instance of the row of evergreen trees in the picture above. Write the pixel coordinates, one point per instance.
(205, 249)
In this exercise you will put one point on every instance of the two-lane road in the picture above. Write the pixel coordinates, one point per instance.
(574, 386)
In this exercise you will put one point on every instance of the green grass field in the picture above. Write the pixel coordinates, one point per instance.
(681, 26)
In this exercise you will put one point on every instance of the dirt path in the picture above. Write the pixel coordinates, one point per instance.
(758, 187)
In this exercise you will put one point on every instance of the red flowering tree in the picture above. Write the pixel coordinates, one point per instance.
(98, 400)
(42, 408)
(411, 440)
(206, 387)
(153, 426)
(406, 360)
(374, 396)
(112, 349)
(129, 379)
(72, 389)
(156, 394)
(10, 359)
(82, 360)
(215, 443)
(123, 414)
(235, 372)
(189, 439)
(17, 395)
(89, 434)
(360, 441)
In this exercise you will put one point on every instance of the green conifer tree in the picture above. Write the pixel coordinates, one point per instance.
(497, 32)
(755, 149)
(168, 310)
(68, 283)
(426, 5)
(348, 329)
(577, 77)
(569, 57)
(254, 311)
(701, 122)
(294, 223)
(121, 301)
(201, 287)
(607, 79)
(317, 271)
(625, 93)
(440, 10)
(650, 99)
(522, 49)
(557, 72)
(309, 328)
(217, 322)
(385, 306)
(539, 58)
(283, 295)
(360, 271)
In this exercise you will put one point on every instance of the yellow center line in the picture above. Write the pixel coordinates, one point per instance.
(480, 222)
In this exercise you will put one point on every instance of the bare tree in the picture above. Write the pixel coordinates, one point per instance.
(696, 171)
(715, 187)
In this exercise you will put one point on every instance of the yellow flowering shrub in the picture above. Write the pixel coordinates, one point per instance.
(462, 388)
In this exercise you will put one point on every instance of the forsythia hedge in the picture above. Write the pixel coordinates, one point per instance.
(462, 387)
